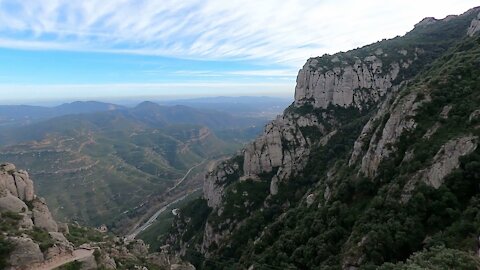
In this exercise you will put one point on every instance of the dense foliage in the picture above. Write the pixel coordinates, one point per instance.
(370, 222)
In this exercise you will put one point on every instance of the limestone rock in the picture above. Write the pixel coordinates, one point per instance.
(400, 120)
(8, 202)
(474, 26)
(61, 246)
(369, 128)
(310, 199)
(42, 218)
(25, 253)
(63, 228)
(343, 85)
(474, 116)
(26, 222)
(7, 167)
(88, 263)
(216, 180)
(447, 159)
(139, 248)
(274, 185)
(7, 182)
(107, 262)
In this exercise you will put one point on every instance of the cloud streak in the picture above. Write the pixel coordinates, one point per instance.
(283, 32)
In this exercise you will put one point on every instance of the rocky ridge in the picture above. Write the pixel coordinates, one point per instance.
(378, 87)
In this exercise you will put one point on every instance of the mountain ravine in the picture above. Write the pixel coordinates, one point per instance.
(375, 165)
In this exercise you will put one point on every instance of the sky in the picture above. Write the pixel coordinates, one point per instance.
(98, 49)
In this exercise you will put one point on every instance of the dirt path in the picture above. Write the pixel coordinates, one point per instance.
(59, 261)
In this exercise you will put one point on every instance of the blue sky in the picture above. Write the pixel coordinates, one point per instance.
(97, 49)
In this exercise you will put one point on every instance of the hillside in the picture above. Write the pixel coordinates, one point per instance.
(374, 166)
(113, 167)
(31, 239)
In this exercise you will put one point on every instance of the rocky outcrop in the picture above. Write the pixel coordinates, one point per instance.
(474, 26)
(26, 252)
(282, 146)
(88, 263)
(17, 196)
(11, 203)
(364, 139)
(447, 159)
(345, 84)
(217, 179)
(382, 144)
(42, 218)
(61, 245)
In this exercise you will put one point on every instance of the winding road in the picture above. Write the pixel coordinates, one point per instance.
(152, 219)
(138, 229)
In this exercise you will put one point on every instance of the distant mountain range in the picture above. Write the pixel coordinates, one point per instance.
(26, 114)
(244, 106)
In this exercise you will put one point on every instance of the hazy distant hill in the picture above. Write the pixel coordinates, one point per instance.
(245, 106)
(25, 114)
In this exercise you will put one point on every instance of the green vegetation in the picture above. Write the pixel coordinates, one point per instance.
(9, 222)
(369, 222)
(42, 238)
(440, 258)
(155, 235)
(75, 265)
(79, 235)
(5, 248)
(98, 169)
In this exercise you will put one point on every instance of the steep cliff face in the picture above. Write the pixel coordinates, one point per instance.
(347, 84)
(372, 133)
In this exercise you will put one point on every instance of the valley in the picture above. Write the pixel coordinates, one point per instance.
(114, 167)
(181, 160)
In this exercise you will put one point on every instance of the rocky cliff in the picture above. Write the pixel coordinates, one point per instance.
(31, 224)
(376, 140)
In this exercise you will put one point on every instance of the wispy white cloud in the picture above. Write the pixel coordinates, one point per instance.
(285, 32)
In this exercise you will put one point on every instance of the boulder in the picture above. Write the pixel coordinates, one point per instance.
(310, 199)
(26, 222)
(42, 218)
(21, 185)
(63, 228)
(61, 246)
(8, 183)
(139, 248)
(7, 167)
(11, 203)
(88, 263)
(106, 262)
(25, 253)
